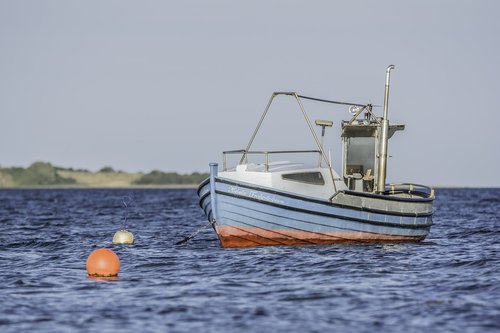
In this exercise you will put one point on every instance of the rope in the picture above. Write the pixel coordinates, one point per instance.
(127, 201)
(329, 101)
(193, 234)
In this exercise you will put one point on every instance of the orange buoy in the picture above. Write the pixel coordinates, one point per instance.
(103, 262)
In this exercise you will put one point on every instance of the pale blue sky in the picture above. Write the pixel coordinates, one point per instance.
(168, 85)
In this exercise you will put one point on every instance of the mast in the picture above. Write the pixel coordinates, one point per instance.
(384, 136)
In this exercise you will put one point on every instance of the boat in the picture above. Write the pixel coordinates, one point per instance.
(260, 201)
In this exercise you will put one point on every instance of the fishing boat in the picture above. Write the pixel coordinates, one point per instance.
(293, 203)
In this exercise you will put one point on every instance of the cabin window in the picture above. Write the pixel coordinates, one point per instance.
(360, 155)
(313, 178)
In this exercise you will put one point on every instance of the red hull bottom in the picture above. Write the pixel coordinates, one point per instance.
(251, 236)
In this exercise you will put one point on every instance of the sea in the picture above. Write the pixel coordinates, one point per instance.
(448, 283)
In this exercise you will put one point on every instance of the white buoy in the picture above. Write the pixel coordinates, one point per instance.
(123, 237)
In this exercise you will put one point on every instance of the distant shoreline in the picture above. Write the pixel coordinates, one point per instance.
(175, 187)
(43, 175)
(451, 187)
(102, 187)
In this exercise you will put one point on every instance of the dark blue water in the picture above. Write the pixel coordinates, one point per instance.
(450, 282)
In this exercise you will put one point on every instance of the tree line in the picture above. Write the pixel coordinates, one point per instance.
(42, 173)
(157, 177)
(38, 173)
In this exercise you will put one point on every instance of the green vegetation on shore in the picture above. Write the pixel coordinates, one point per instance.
(45, 174)
(164, 178)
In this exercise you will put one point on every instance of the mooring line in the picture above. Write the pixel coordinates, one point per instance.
(193, 234)
(126, 201)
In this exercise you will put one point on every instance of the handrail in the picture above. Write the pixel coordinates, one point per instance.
(409, 188)
(266, 153)
(270, 151)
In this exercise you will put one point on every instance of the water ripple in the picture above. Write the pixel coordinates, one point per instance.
(448, 282)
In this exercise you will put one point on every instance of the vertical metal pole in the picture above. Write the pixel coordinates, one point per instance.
(213, 199)
(384, 136)
(266, 154)
(322, 143)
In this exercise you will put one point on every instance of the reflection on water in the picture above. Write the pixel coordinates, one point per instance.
(103, 278)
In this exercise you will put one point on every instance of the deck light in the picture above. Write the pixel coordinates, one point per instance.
(325, 123)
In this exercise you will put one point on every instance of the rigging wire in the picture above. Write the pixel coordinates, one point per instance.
(336, 102)
(330, 101)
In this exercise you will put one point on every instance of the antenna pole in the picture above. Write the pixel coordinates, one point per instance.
(384, 137)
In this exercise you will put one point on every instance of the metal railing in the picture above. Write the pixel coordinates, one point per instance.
(416, 189)
(266, 154)
(308, 121)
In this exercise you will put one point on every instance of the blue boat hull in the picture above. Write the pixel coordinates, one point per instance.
(247, 215)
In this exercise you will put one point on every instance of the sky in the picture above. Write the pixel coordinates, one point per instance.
(169, 85)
